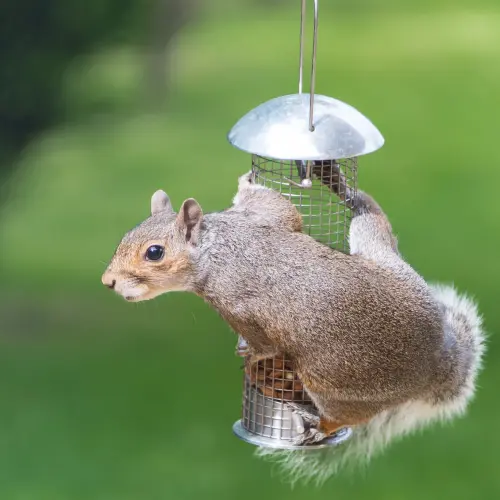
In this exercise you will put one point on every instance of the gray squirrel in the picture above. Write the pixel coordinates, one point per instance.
(376, 347)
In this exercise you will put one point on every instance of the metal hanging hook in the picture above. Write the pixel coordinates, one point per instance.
(301, 57)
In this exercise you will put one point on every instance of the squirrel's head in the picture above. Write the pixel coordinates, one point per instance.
(155, 257)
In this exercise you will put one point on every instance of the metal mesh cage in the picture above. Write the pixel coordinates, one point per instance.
(271, 384)
(268, 385)
(326, 217)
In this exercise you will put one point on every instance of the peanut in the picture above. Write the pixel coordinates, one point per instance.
(277, 374)
(267, 391)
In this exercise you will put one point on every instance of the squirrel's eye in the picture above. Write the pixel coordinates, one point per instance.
(155, 252)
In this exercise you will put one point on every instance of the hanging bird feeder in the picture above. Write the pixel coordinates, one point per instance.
(306, 147)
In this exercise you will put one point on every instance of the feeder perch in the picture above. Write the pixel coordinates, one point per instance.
(306, 147)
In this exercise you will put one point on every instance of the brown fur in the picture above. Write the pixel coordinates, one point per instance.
(364, 331)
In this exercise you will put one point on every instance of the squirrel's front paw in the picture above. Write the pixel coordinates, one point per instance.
(246, 179)
(242, 348)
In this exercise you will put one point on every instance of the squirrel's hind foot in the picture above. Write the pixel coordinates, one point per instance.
(311, 432)
(306, 415)
(316, 429)
(310, 436)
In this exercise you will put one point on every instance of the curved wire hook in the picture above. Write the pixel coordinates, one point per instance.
(301, 57)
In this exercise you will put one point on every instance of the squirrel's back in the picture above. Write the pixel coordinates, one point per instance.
(384, 326)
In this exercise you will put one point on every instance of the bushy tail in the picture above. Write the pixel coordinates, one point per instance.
(463, 321)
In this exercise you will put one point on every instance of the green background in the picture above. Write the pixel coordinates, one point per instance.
(105, 400)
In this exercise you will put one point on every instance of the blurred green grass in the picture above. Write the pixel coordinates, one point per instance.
(105, 400)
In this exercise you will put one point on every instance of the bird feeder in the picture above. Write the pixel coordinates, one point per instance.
(306, 147)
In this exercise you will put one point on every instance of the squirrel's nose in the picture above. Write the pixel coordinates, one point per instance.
(108, 281)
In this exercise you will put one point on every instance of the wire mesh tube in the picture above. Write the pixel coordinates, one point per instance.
(272, 383)
(326, 216)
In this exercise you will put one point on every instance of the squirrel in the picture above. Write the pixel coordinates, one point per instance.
(376, 347)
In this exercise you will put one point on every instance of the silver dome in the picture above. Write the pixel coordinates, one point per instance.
(279, 129)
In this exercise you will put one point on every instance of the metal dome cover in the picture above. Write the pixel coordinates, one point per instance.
(279, 129)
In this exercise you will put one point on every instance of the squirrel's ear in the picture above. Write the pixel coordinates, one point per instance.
(160, 202)
(189, 219)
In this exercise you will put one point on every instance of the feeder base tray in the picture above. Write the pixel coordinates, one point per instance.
(282, 444)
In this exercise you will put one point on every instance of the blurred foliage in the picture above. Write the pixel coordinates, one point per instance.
(38, 40)
(104, 400)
